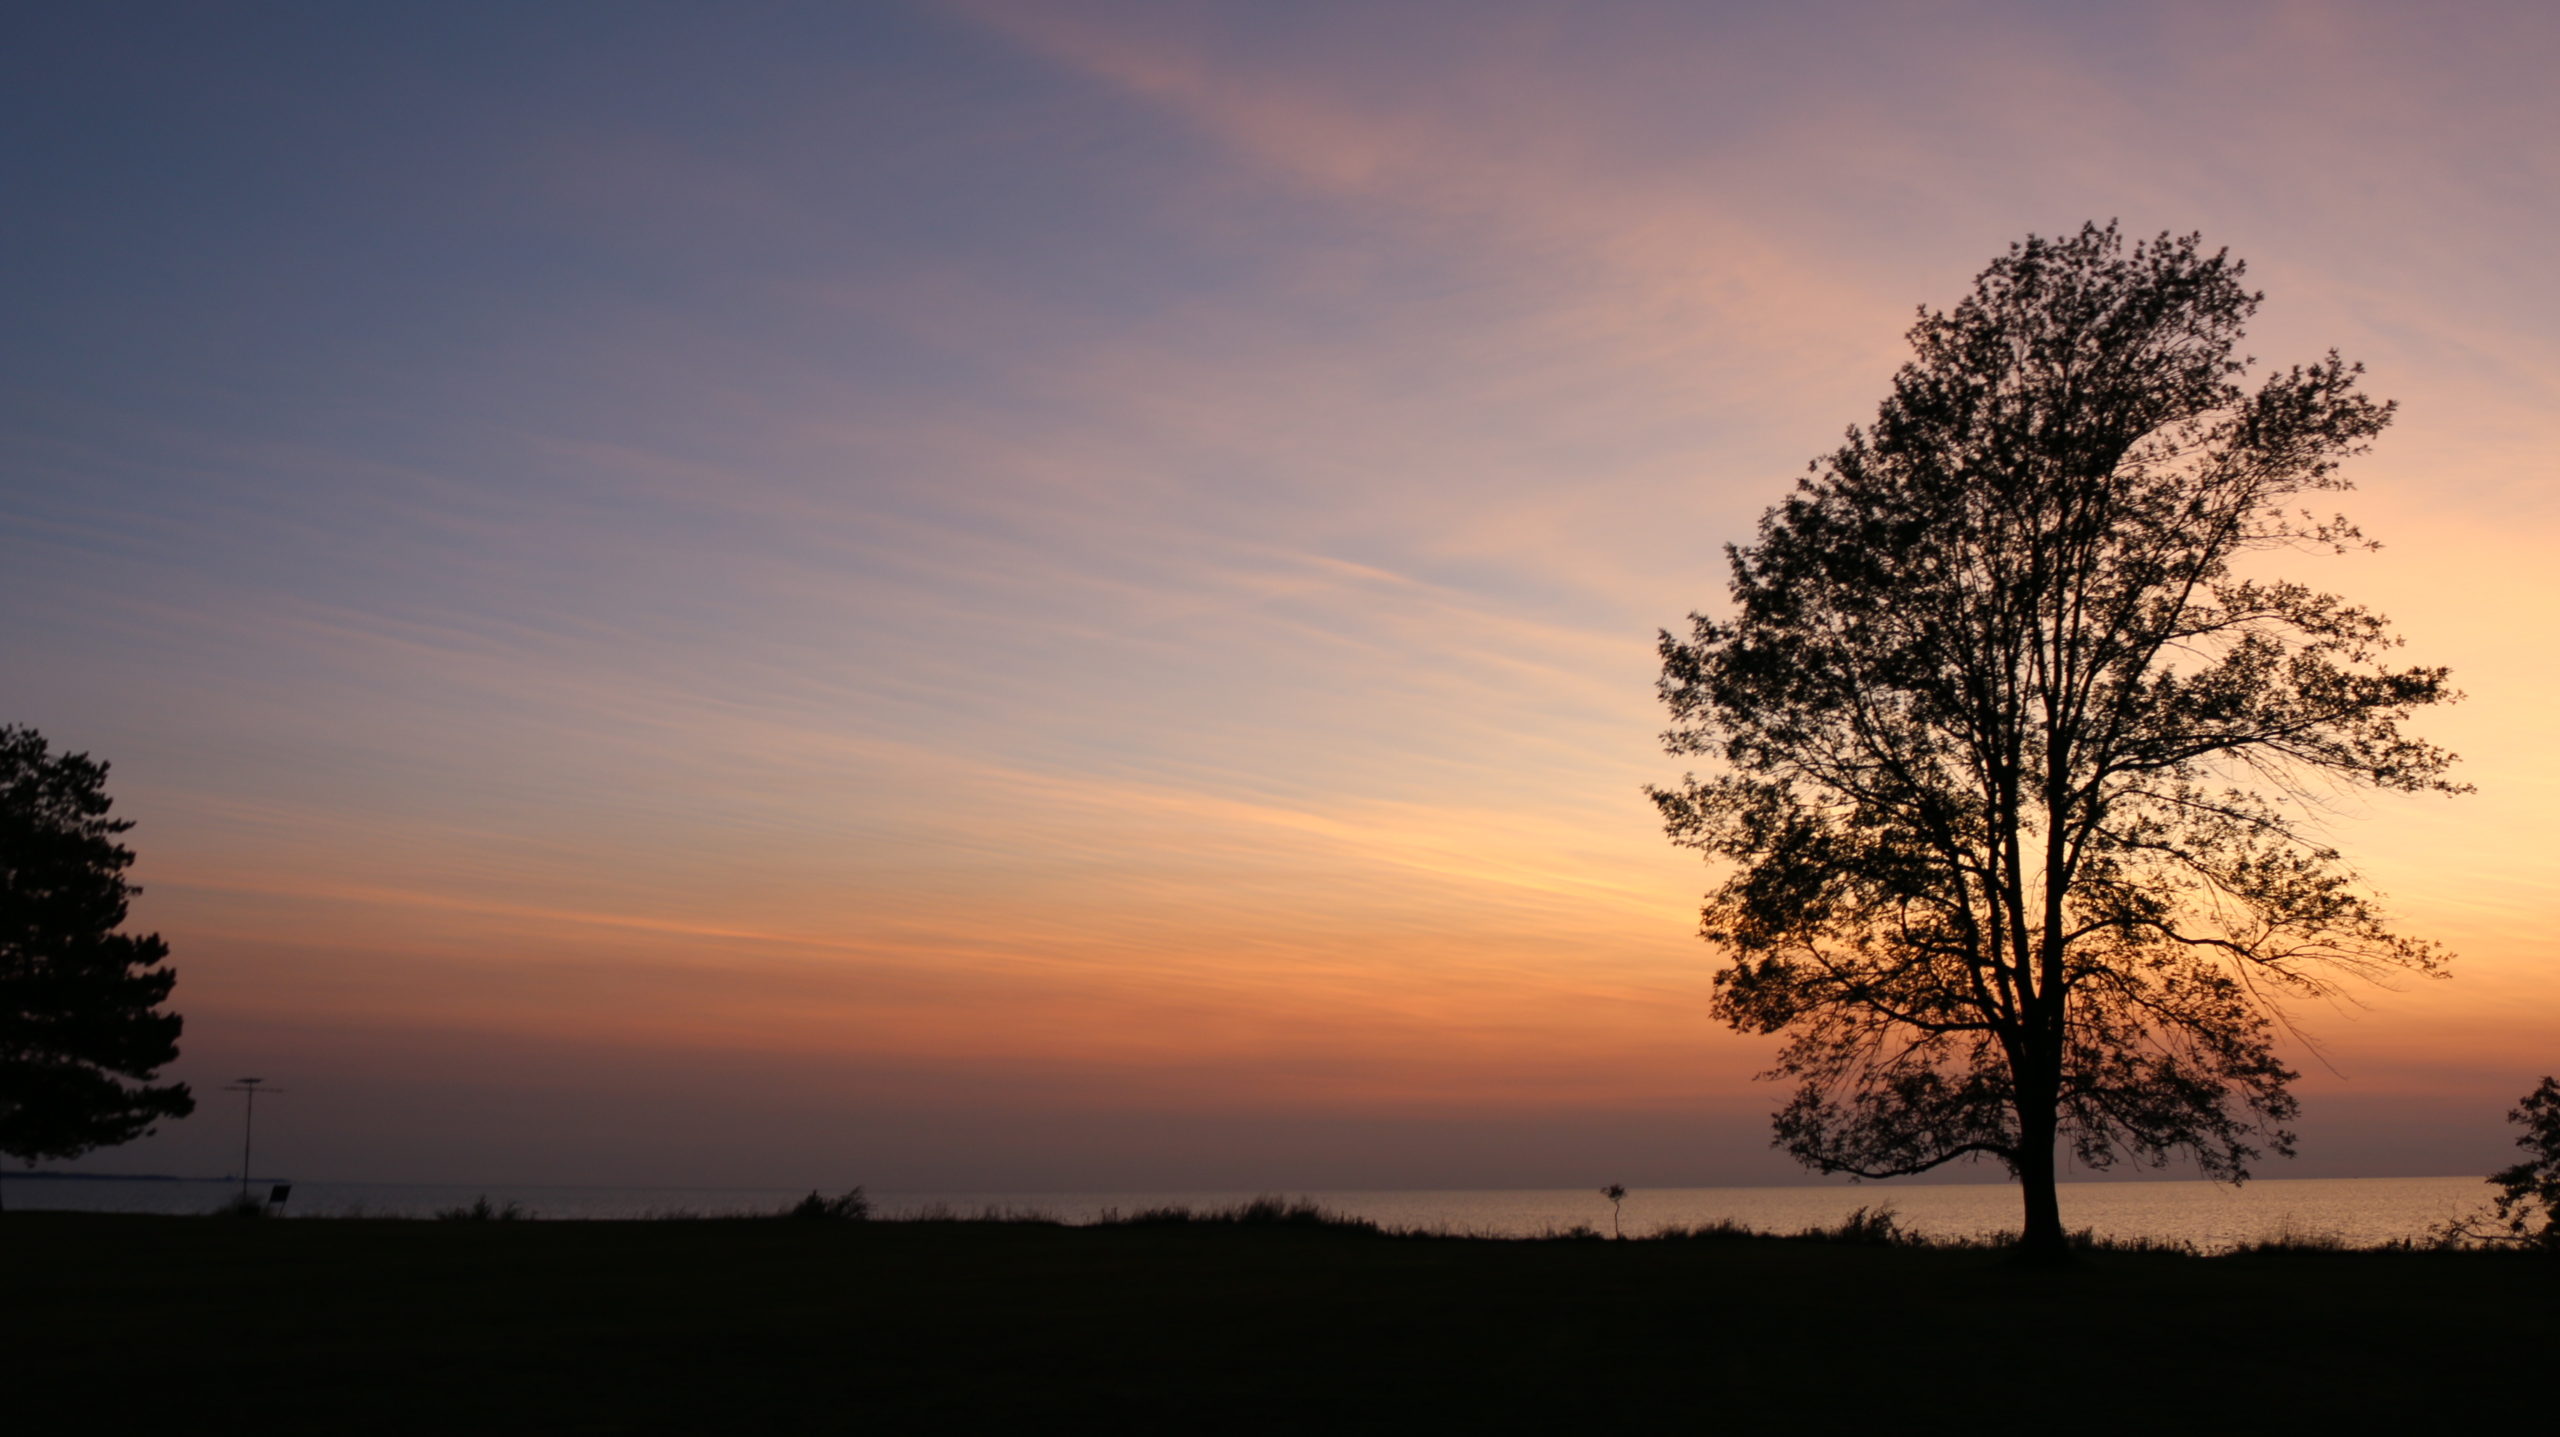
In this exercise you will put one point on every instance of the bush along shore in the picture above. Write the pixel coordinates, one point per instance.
(1268, 1316)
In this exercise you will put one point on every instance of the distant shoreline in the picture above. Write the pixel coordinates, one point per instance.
(41, 1176)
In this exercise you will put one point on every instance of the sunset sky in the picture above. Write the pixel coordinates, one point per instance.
(1063, 595)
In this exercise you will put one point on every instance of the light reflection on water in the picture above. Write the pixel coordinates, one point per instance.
(2358, 1211)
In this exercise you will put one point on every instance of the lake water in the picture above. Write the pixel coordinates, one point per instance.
(2358, 1210)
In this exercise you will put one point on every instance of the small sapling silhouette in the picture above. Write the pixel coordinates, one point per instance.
(1616, 1193)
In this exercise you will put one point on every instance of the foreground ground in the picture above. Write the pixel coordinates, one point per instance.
(128, 1323)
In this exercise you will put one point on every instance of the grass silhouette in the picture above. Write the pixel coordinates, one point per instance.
(480, 1209)
(1263, 1211)
(1269, 1316)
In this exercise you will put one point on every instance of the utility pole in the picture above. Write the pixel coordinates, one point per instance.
(248, 1123)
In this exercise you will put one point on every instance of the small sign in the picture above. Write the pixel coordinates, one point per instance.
(277, 1194)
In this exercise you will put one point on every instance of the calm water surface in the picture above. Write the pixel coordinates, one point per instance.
(2358, 1210)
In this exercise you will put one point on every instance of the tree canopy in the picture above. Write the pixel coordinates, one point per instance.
(2531, 1189)
(2023, 761)
(81, 1033)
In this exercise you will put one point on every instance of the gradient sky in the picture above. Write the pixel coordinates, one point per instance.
(1063, 595)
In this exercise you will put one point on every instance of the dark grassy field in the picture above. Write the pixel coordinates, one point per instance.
(147, 1324)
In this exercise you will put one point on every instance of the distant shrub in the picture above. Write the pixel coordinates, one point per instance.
(1723, 1229)
(852, 1207)
(241, 1205)
(2289, 1238)
(1260, 1212)
(1877, 1226)
(1298, 1212)
(1880, 1226)
(2087, 1240)
(482, 1210)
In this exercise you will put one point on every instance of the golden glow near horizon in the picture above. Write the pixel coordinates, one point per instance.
(1067, 596)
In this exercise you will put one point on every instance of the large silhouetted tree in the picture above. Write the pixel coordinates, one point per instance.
(2023, 754)
(81, 1033)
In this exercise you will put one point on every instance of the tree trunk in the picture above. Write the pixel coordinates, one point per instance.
(2042, 1238)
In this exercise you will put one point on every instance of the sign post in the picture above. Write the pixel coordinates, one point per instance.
(248, 1124)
